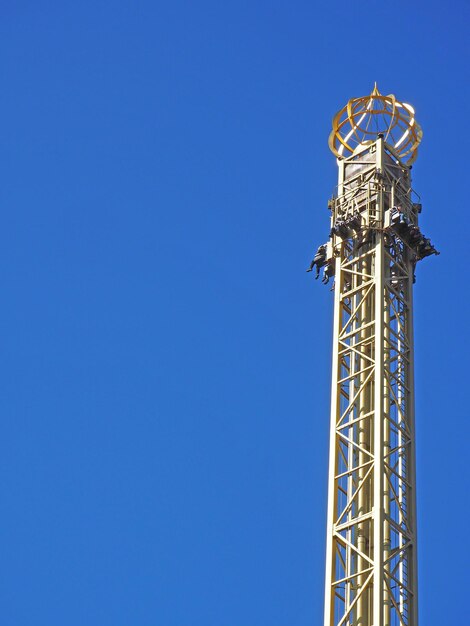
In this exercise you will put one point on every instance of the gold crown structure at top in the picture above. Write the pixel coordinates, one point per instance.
(358, 123)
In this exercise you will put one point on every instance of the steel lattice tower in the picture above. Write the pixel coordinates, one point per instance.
(375, 242)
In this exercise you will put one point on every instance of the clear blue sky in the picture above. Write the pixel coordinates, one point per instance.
(165, 359)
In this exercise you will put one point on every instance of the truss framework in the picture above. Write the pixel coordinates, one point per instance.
(371, 577)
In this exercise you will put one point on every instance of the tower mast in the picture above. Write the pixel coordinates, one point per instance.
(375, 242)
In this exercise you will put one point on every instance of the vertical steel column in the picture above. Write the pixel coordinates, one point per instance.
(378, 584)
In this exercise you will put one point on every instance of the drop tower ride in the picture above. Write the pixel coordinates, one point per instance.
(374, 246)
